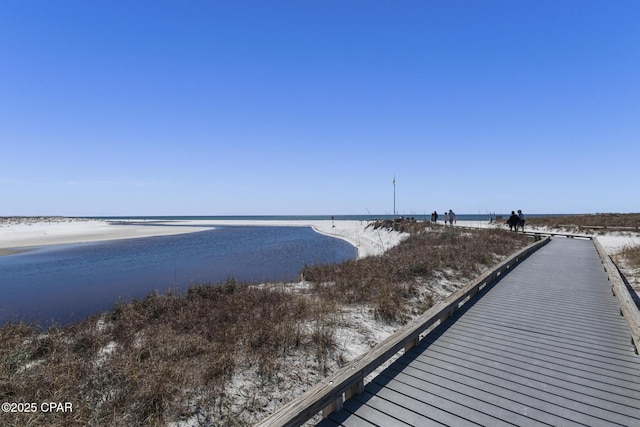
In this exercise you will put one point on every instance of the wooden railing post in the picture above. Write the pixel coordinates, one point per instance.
(356, 388)
(411, 343)
(334, 406)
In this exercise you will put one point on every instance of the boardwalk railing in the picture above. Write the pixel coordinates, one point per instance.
(329, 395)
(601, 227)
(628, 307)
(557, 233)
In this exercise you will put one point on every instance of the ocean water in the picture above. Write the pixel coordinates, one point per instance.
(369, 217)
(65, 283)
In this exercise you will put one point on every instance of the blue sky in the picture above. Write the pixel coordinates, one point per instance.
(312, 107)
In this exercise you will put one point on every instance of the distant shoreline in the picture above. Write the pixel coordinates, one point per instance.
(17, 234)
(20, 234)
(350, 217)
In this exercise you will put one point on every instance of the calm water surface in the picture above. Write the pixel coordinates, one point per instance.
(68, 282)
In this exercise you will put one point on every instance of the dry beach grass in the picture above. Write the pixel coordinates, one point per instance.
(227, 355)
(589, 222)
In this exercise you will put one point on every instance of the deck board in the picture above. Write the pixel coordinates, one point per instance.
(546, 345)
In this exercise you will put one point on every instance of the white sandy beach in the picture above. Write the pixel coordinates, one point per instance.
(25, 233)
(367, 240)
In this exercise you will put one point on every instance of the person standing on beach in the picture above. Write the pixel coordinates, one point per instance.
(513, 221)
(446, 217)
(452, 217)
(520, 220)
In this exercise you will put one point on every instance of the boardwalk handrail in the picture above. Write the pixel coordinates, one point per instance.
(329, 394)
(536, 233)
(558, 233)
(601, 227)
(628, 307)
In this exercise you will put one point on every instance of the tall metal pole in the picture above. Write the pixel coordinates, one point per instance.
(394, 197)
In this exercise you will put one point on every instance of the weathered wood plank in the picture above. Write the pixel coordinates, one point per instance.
(517, 357)
(508, 368)
(438, 396)
(583, 365)
(569, 346)
(513, 405)
(409, 410)
(346, 419)
(536, 388)
(366, 412)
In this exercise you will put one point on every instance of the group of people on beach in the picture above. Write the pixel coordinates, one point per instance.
(449, 217)
(516, 221)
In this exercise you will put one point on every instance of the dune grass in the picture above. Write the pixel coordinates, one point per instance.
(609, 220)
(177, 356)
(628, 259)
(632, 255)
(387, 282)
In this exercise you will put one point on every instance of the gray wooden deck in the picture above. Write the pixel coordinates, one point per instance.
(546, 345)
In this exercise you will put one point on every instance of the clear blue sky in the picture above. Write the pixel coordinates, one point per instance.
(312, 107)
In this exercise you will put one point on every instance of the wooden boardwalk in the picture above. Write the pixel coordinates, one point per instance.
(546, 345)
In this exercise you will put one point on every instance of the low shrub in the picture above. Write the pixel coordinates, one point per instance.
(387, 281)
(611, 220)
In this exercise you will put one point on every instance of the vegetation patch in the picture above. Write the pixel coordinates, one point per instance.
(389, 281)
(629, 221)
(632, 255)
(628, 260)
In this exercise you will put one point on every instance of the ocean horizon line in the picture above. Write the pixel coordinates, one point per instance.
(337, 217)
